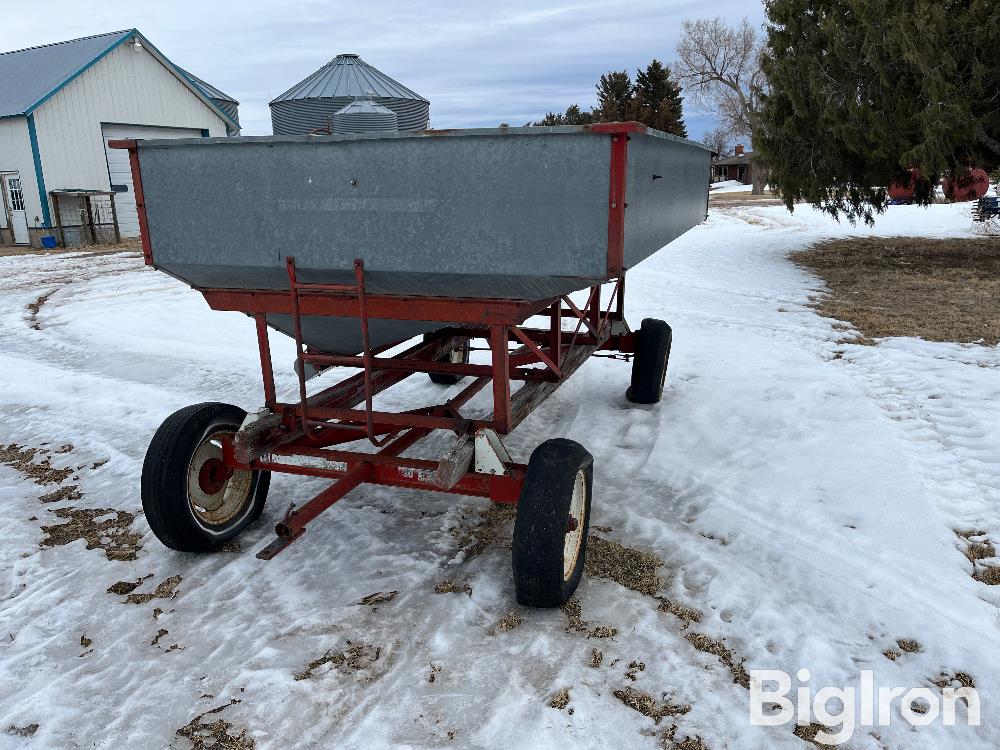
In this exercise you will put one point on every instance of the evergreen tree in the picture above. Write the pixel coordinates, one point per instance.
(862, 90)
(657, 100)
(573, 116)
(615, 92)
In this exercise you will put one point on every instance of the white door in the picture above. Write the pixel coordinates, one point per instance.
(120, 171)
(18, 218)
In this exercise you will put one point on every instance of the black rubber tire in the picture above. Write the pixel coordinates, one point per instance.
(447, 378)
(649, 366)
(164, 484)
(540, 529)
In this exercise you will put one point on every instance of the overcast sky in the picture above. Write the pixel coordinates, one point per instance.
(478, 63)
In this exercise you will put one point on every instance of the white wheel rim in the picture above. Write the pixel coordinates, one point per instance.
(216, 508)
(574, 539)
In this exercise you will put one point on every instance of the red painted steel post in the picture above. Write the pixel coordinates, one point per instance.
(140, 203)
(616, 204)
(501, 378)
(267, 371)
(595, 309)
(555, 333)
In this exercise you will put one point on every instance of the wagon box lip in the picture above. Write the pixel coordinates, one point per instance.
(602, 128)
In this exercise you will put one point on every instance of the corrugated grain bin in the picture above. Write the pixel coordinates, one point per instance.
(312, 103)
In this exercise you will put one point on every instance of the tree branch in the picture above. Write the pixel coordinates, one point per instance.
(985, 139)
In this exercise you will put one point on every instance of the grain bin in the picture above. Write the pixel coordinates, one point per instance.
(312, 103)
(365, 116)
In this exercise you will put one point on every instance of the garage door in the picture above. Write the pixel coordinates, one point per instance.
(120, 171)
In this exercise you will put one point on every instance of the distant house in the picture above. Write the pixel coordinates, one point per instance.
(739, 166)
(61, 103)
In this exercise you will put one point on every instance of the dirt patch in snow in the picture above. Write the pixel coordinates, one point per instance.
(808, 732)
(725, 656)
(101, 528)
(449, 586)
(596, 658)
(560, 700)
(906, 646)
(632, 568)
(215, 735)
(26, 731)
(576, 623)
(167, 589)
(937, 289)
(506, 623)
(680, 611)
(647, 705)
(988, 574)
(355, 657)
(35, 307)
(954, 680)
(22, 460)
(379, 597)
(127, 587)
(491, 529)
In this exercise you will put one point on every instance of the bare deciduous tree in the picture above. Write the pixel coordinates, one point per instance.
(720, 66)
(720, 140)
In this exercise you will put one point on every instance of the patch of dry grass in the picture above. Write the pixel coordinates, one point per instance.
(575, 622)
(647, 705)
(22, 460)
(215, 735)
(489, 531)
(680, 611)
(632, 568)
(560, 700)
(936, 289)
(506, 623)
(988, 574)
(167, 589)
(379, 597)
(719, 650)
(355, 657)
(101, 528)
(449, 586)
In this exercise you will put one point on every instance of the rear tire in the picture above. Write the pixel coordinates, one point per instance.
(191, 501)
(553, 517)
(459, 355)
(649, 367)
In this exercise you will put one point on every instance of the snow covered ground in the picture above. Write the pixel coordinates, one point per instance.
(729, 186)
(803, 494)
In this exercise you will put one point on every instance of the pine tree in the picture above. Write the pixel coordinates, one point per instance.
(657, 100)
(863, 90)
(615, 92)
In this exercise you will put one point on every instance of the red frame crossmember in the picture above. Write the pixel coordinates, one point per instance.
(302, 437)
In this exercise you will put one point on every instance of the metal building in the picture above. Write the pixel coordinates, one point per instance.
(59, 106)
(220, 99)
(312, 103)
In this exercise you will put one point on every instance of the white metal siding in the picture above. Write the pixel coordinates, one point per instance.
(15, 156)
(120, 169)
(123, 87)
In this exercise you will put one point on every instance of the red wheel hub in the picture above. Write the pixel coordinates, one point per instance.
(213, 476)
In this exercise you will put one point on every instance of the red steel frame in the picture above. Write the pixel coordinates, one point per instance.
(301, 437)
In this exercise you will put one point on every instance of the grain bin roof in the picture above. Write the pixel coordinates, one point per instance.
(347, 75)
(29, 77)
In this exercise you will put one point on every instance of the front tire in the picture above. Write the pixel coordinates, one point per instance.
(649, 367)
(192, 501)
(553, 517)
